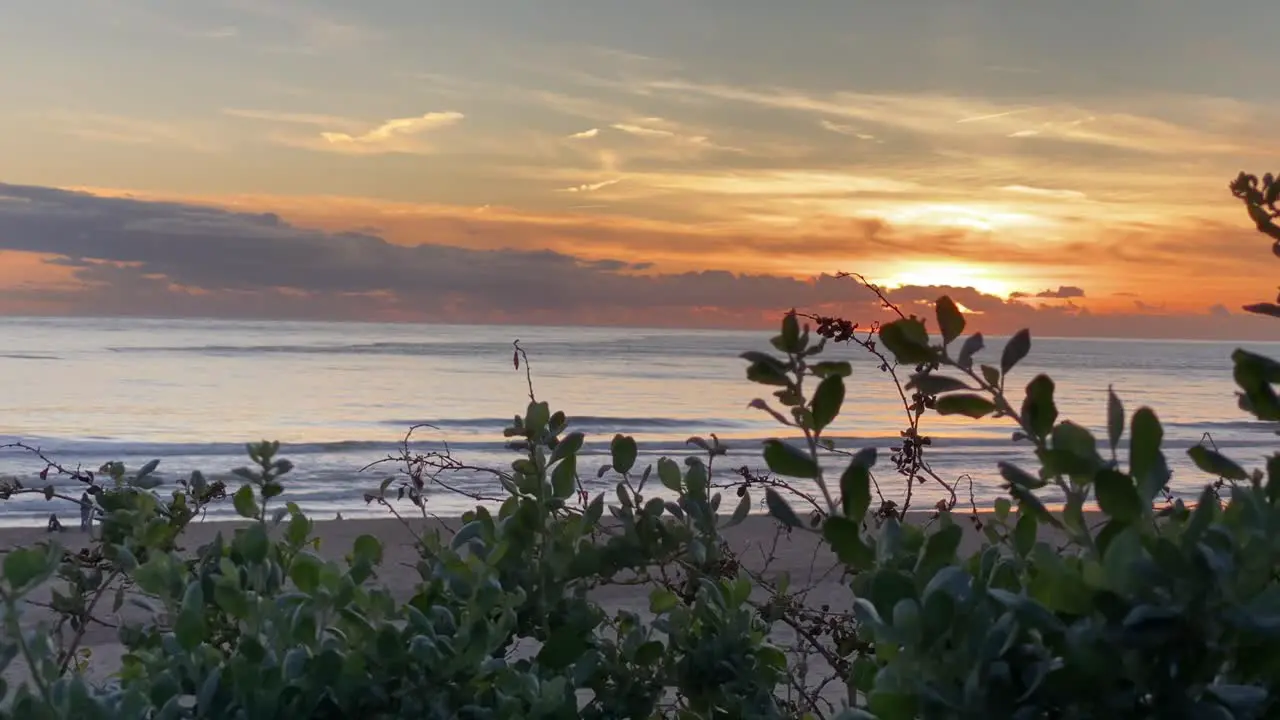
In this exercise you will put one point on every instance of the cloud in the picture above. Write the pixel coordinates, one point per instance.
(591, 187)
(994, 115)
(221, 33)
(777, 184)
(642, 131)
(1045, 192)
(843, 129)
(122, 130)
(585, 134)
(292, 118)
(124, 256)
(306, 29)
(947, 117)
(392, 136)
(660, 129)
(1062, 293)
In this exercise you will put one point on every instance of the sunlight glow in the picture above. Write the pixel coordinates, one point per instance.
(953, 274)
(980, 218)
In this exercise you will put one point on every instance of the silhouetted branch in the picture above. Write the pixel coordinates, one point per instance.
(1260, 199)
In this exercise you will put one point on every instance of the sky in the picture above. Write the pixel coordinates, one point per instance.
(1058, 165)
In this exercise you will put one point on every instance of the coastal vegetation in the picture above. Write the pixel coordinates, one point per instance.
(1089, 590)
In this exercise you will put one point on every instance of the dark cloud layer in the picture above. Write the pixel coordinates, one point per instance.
(135, 257)
(1062, 293)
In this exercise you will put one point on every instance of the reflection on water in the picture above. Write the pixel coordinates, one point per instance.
(340, 395)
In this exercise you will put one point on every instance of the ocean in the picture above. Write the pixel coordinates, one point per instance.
(339, 396)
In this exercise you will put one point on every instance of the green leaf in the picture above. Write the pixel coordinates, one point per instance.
(562, 649)
(1146, 461)
(1039, 411)
(1002, 508)
(827, 400)
(931, 384)
(789, 341)
(1215, 463)
(305, 572)
(908, 341)
(845, 538)
(1207, 508)
(1117, 495)
(595, 510)
(1115, 418)
(939, 550)
(624, 452)
(991, 375)
(536, 417)
(780, 510)
(788, 460)
(1017, 477)
(950, 320)
(740, 512)
(669, 474)
(855, 490)
(972, 346)
(832, 367)
(1029, 503)
(569, 445)
(1273, 477)
(564, 477)
(886, 705)
(967, 404)
(649, 653)
(298, 530)
(1256, 375)
(1075, 450)
(367, 548)
(245, 503)
(1015, 350)
(768, 373)
(1245, 700)
(28, 566)
(1025, 532)
(888, 587)
(189, 625)
(208, 688)
(661, 600)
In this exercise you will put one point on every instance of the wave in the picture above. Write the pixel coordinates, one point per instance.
(451, 347)
(110, 449)
(584, 423)
(1210, 426)
(360, 451)
(377, 348)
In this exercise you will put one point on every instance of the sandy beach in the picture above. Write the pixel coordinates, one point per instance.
(800, 555)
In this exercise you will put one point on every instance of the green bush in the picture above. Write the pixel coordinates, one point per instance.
(1163, 612)
(1160, 610)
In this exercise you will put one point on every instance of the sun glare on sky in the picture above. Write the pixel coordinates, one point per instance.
(948, 274)
(980, 218)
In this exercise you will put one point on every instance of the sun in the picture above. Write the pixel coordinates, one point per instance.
(948, 273)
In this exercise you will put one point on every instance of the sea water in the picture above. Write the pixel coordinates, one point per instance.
(340, 396)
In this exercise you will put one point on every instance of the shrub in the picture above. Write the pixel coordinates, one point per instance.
(1161, 609)
(258, 625)
(1151, 613)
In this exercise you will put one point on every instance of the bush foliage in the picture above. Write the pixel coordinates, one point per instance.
(1159, 609)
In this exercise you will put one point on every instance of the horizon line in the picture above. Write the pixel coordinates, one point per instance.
(584, 325)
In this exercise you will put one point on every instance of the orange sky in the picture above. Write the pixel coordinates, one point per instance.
(991, 156)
